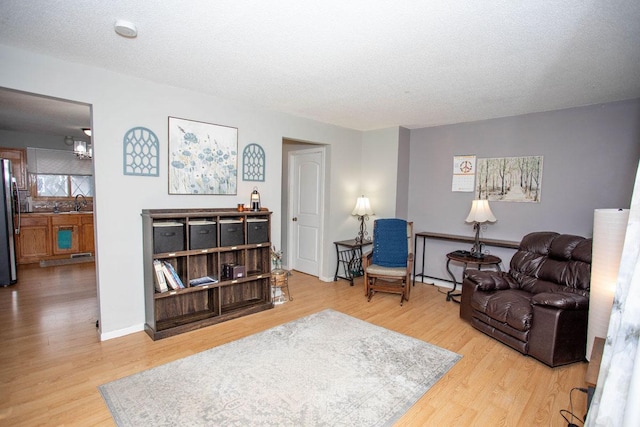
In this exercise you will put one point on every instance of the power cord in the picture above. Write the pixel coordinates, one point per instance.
(570, 412)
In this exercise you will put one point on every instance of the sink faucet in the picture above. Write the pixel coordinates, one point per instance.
(78, 205)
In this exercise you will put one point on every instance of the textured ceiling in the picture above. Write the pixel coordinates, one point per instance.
(358, 64)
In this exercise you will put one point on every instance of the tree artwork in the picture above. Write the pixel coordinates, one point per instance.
(509, 179)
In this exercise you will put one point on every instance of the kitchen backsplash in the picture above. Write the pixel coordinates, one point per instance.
(50, 205)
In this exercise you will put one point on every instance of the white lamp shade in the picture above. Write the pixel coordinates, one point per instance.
(480, 212)
(363, 207)
(609, 229)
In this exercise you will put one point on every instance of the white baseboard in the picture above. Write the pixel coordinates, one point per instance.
(121, 332)
(437, 282)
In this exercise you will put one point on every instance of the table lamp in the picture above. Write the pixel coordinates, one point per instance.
(480, 213)
(362, 211)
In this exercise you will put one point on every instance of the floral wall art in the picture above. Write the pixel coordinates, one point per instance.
(509, 179)
(203, 158)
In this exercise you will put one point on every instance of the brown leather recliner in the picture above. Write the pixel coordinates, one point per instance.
(541, 306)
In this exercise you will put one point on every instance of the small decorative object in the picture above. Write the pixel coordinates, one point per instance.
(140, 148)
(276, 258)
(202, 158)
(253, 163)
(240, 207)
(255, 200)
(362, 211)
(480, 213)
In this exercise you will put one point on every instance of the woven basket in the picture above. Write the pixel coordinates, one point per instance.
(278, 278)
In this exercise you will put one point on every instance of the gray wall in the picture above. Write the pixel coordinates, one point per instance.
(590, 160)
(404, 159)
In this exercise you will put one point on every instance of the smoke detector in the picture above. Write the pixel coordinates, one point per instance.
(126, 29)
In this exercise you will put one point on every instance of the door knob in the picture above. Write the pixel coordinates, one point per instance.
(294, 219)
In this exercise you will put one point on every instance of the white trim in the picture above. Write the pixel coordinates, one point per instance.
(121, 332)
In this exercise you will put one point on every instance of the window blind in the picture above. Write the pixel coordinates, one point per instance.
(57, 162)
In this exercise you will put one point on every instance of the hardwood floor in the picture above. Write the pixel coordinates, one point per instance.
(53, 361)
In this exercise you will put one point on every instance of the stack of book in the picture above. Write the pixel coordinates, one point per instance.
(166, 276)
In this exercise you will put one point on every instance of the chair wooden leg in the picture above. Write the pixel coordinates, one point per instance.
(366, 284)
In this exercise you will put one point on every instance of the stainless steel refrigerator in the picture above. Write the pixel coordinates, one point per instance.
(9, 224)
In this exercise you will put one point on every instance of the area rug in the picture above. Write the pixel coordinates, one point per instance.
(326, 369)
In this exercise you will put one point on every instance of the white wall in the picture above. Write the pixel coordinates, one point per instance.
(119, 103)
(380, 171)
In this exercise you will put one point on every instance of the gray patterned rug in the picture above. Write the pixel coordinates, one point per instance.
(326, 369)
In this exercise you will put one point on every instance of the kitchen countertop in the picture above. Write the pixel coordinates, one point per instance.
(53, 213)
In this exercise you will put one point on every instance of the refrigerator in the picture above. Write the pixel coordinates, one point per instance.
(9, 224)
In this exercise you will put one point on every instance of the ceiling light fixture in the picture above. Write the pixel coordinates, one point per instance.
(126, 29)
(82, 150)
(86, 131)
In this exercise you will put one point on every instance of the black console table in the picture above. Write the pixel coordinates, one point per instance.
(424, 235)
(350, 259)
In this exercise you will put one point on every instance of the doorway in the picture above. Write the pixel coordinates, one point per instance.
(303, 205)
(39, 122)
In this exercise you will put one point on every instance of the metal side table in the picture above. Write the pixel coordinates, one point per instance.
(349, 254)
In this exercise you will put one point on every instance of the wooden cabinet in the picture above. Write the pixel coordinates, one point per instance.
(87, 243)
(45, 236)
(65, 229)
(242, 268)
(34, 241)
(18, 157)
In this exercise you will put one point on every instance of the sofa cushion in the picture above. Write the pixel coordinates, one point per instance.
(511, 306)
(552, 262)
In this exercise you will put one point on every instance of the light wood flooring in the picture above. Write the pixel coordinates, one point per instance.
(52, 360)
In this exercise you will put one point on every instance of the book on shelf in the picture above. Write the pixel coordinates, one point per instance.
(200, 281)
(160, 282)
(172, 277)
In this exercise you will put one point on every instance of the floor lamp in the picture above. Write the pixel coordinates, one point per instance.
(609, 229)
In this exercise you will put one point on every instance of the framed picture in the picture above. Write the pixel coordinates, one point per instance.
(510, 179)
(203, 158)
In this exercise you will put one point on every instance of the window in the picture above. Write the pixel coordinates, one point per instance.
(57, 173)
(64, 185)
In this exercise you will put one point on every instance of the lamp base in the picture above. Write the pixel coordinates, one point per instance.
(361, 237)
(476, 250)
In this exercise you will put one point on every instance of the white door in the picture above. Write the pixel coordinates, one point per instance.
(306, 202)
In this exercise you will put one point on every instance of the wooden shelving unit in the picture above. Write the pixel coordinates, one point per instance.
(177, 311)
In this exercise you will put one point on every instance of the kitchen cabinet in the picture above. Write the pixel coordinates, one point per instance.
(18, 157)
(87, 244)
(66, 233)
(49, 236)
(34, 241)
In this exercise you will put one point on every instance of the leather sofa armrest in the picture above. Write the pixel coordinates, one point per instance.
(561, 300)
(489, 280)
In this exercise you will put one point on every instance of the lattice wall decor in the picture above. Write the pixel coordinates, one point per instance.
(140, 152)
(253, 163)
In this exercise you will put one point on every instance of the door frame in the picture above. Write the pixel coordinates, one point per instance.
(323, 187)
